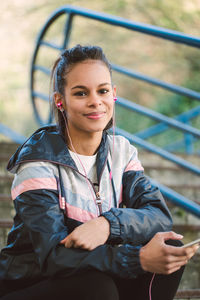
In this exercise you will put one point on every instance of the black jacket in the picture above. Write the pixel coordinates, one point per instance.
(40, 223)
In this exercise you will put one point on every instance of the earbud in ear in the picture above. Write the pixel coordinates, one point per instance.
(59, 106)
(115, 99)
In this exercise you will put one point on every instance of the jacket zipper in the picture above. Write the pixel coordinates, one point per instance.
(99, 202)
(97, 193)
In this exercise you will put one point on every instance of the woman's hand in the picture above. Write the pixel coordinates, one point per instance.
(89, 235)
(158, 257)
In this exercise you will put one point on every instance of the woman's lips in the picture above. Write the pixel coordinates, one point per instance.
(95, 115)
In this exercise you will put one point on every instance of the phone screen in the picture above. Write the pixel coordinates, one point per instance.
(191, 243)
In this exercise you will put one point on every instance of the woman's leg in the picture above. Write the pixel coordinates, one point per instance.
(164, 287)
(91, 285)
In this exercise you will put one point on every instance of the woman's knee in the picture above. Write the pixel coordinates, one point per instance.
(101, 286)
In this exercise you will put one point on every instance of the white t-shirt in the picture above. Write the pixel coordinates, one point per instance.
(89, 163)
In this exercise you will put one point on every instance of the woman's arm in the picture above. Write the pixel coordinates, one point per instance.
(42, 217)
(145, 211)
(36, 200)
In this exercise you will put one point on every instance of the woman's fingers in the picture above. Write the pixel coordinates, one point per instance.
(158, 257)
(181, 253)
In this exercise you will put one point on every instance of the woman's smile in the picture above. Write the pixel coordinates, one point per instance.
(95, 115)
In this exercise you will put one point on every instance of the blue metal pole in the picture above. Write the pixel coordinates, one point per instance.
(156, 31)
(178, 199)
(158, 116)
(168, 86)
(14, 136)
(161, 152)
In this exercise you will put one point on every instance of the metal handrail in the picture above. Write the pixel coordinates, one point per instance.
(153, 81)
(14, 136)
(178, 199)
(72, 11)
(158, 116)
(159, 151)
(158, 128)
(170, 194)
(177, 123)
(156, 31)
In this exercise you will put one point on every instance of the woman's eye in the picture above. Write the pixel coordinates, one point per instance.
(80, 93)
(103, 91)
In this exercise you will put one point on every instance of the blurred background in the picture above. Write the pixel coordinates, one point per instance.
(178, 64)
(21, 21)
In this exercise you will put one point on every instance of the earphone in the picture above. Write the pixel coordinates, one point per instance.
(150, 286)
(59, 106)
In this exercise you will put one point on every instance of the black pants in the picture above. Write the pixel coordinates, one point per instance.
(94, 285)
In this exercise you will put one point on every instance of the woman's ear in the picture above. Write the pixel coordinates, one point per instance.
(114, 91)
(58, 99)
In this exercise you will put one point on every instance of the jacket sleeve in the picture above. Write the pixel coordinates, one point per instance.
(145, 211)
(42, 217)
(44, 221)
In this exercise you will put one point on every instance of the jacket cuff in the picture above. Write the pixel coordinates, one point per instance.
(115, 228)
(130, 256)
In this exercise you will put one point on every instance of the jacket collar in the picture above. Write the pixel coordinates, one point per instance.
(47, 144)
(102, 155)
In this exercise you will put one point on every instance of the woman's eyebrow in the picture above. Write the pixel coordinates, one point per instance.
(84, 87)
(78, 87)
(105, 83)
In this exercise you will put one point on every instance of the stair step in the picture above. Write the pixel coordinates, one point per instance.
(4, 157)
(6, 178)
(5, 198)
(8, 148)
(188, 294)
(149, 159)
(186, 228)
(6, 223)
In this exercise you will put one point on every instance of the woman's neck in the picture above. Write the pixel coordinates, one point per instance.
(84, 144)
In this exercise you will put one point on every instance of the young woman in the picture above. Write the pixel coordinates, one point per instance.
(88, 223)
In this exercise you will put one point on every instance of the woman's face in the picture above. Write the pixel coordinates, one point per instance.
(88, 97)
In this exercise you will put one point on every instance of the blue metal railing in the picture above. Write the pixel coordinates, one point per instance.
(11, 134)
(185, 117)
(165, 122)
(180, 123)
(158, 117)
(159, 151)
(168, 86)
(71, 11)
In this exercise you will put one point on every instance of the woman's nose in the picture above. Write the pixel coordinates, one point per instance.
(94, 100)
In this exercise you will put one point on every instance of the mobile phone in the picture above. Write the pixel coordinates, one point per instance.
(192, 243)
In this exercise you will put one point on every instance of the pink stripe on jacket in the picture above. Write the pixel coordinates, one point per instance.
(34, 184)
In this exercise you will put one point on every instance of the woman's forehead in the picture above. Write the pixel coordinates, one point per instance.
(89, 71)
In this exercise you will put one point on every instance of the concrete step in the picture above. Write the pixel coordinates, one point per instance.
(6, 207)
(188, 294)
(191, 275)
(5, 183)
(149, 159)
(191, 191)
(171, 175)
(8, 148)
